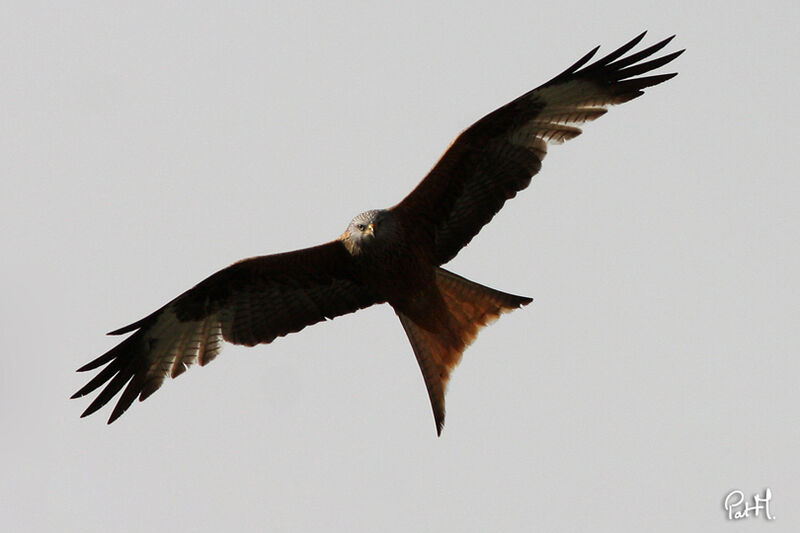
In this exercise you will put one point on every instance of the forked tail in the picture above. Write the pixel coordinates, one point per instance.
(440, 336)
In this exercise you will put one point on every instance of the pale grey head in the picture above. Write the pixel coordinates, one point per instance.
(371, 230)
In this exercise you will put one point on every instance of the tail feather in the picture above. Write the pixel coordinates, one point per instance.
(439, 341)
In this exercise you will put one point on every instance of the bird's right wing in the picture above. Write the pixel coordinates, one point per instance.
(250, 302)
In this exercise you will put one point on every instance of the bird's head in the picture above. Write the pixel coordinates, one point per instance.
(371, 229)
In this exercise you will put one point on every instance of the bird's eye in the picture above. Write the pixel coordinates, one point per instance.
(361, 227)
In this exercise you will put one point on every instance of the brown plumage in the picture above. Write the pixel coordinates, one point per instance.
(391, 256)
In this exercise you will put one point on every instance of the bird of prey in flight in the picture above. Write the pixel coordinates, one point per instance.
(390, 255)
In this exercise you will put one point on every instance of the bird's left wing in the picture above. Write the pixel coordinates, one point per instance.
(250, 302)
(497, 156)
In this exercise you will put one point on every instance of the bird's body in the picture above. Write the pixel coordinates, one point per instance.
(389, 264)
(389, 256)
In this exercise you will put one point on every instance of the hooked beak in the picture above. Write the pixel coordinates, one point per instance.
(371, 229)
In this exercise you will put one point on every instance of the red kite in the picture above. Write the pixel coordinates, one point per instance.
(389, 256)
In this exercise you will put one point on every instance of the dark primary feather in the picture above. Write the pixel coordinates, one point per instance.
(497, 156)
(251, 302)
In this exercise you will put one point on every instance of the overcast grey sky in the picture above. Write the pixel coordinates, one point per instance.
(144, 146)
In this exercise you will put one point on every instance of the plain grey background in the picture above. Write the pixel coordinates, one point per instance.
(144, 146)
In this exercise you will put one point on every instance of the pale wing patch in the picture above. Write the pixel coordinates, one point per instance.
(566, 106)
(529, 136)
(575, 93)
(562, 114)
(175, 345)
(553, 133)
